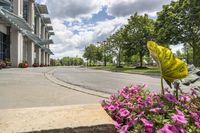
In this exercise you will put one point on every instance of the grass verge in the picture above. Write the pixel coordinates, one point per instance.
(129, 69)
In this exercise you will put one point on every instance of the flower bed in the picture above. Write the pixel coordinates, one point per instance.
(136, 110)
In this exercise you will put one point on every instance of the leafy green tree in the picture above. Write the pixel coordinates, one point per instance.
(71, 61)
(137, 32)
(91, 53)
(116, 42)
(178, 23)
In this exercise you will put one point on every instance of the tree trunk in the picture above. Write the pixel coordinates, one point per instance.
(105, 63)
(119, 60)
(196, 54)
(141, 59)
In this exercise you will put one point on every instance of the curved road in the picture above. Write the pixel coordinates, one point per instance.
(104, 81)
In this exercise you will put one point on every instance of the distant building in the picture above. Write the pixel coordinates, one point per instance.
(24, 32)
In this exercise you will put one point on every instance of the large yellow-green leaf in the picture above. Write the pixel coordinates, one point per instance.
(171, 67)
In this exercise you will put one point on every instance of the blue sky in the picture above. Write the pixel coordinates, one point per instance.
(78, 23)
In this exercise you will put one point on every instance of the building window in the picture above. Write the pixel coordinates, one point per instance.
(4, 47)
(25, 10)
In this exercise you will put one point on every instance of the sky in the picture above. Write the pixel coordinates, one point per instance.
(78, 23)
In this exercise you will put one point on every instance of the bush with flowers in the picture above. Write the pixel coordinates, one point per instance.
(137, 110)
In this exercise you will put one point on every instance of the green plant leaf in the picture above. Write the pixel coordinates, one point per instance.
(171, 67)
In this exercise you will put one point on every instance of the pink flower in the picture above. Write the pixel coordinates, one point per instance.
(170, 98)
(168, 129)
(124, 129)
(117, 125)
(185, 98)
(140, 114)
(179, 117)
(197, 123)
(148, 125)
(135, 88)
(182, 130)
(156, 110)
(194, 115)
(124, 112)
(138, 99)
(111, 108)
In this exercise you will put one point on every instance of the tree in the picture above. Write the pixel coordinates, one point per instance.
(116, 42)
(91, 53)
(137, 32)
(179, 23)
(71, 61)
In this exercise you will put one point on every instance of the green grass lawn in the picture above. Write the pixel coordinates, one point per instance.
(129, 69)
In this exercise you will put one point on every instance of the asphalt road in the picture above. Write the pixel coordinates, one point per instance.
(104, 81)
(24, 88)
(109, 82)
(21, 88)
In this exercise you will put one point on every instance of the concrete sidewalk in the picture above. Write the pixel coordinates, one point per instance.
(22, 88)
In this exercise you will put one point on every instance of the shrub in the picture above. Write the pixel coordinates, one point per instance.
(136, 110)
(2, 64)
(24, 64)
(36, 65)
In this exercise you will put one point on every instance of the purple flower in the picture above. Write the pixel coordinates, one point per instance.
(148, 125)
(197, 123)
(156, 110)
(124, 112)
(161, 104)
(194, 91)
(185, 98)
(179, 117)
(124, 129)
(168, 129)
(170, 98)
(111, 108)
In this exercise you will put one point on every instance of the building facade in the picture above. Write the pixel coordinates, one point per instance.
(25, 32)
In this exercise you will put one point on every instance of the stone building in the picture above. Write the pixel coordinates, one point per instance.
(25, 31)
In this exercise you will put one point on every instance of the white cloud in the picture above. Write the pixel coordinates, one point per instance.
(72, 34)
(67, 43)
(74, 8)
(128, 7)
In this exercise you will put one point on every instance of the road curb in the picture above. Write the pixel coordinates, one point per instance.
(49, 75)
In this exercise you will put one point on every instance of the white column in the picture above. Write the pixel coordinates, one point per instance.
(16, 47)
(38, 26)
(31, 13)
(31, 47)
(38, 55)
(18, 7)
